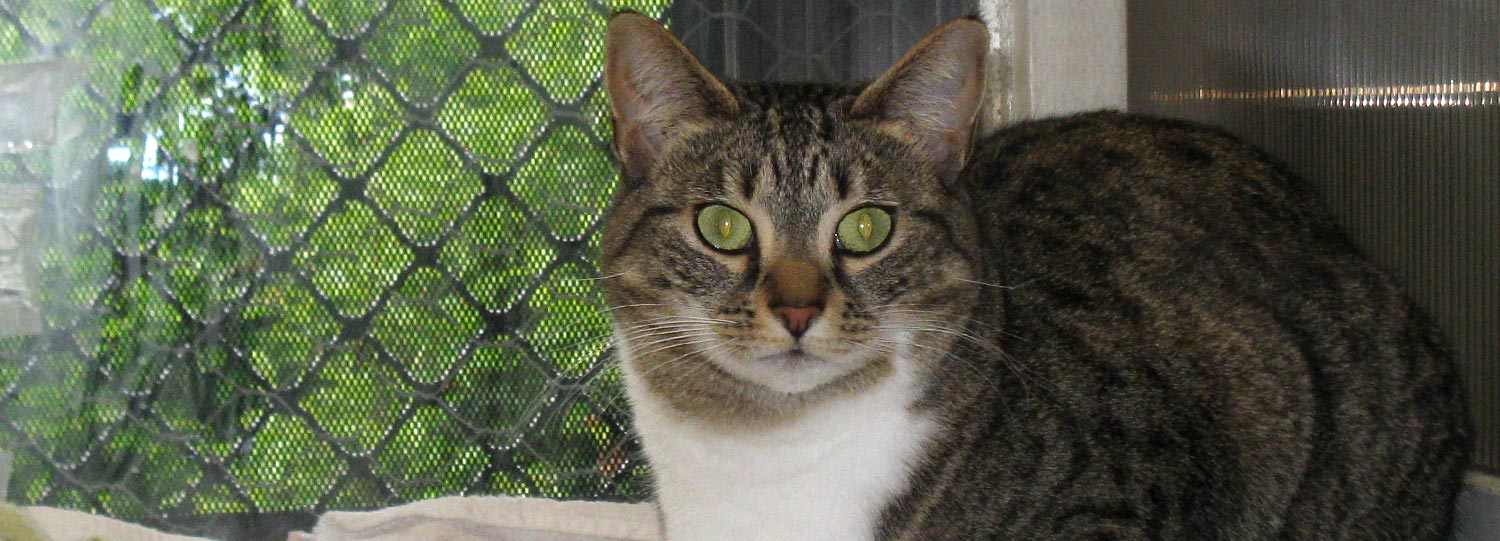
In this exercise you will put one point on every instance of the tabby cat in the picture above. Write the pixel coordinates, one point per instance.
(842, 319)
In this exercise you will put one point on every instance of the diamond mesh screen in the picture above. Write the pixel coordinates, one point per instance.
(807, 40)
(294, 255)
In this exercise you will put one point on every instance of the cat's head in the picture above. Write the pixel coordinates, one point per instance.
(771, 246)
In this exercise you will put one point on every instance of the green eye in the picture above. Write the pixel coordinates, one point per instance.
(724, 228)
(863, 230)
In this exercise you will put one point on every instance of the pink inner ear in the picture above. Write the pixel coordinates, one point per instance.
(658, 91)
(637, 145)
(637, 138)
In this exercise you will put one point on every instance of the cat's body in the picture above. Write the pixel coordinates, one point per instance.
(1197, 352)
(1098, 327)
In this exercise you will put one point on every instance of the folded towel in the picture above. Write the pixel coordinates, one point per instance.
(16, 526)
(492, 518)
(49, 524)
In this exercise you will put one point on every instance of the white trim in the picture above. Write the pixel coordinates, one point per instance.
(1009, 94)
(7, 460)
(1053, 57)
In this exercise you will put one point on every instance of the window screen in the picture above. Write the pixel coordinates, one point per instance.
(282, 256)
(807, 40)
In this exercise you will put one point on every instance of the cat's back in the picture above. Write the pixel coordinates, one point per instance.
(1196, 336)
(1112, 198)
(1114, 165)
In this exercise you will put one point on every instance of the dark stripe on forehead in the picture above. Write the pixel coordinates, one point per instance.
(825, 124)
(749, 177)
(812, 167)
(840, 174)
(778, 155)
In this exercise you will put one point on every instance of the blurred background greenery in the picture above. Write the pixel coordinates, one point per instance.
(295, 255)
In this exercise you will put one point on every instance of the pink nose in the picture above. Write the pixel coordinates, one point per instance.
(797, 318)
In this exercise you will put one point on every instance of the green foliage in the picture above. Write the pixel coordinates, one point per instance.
(315, 255)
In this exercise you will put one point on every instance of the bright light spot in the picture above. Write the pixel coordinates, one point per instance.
(148, 154)
(118, 154)
(1450, 94)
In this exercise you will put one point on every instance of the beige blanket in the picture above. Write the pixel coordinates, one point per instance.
(493, 519)
(450, 519)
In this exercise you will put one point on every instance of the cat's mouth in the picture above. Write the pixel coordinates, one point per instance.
(791, 371)
(791, 358)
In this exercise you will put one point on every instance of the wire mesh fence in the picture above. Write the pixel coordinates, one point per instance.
(300, 255)
(807, 40)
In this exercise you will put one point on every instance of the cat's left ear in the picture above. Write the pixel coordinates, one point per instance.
(931, 97)
(659, 94)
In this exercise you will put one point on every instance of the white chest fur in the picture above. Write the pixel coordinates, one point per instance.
(826, 477)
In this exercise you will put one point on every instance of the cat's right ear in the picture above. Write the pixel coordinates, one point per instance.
(931, 97)
(658, 93)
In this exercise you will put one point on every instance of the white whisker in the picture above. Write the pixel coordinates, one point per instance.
(624, 306)
(596, 278)
(680, 359)
(985, 284)
(679, 336)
